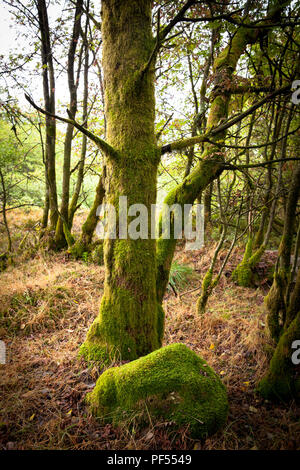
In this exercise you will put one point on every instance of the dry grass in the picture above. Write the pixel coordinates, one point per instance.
(47, 304)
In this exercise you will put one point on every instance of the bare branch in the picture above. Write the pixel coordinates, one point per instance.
(104, 146)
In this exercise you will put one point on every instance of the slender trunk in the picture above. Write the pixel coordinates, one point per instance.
(46, 205)
(84, 243)
(207, 207)
(47, 189)
(75, 197)
(4, 202)
(60, 240)
(49, 100)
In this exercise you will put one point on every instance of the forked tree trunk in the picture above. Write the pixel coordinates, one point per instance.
(130, 322)
(80, 174)
(127, 324)
(282, 380)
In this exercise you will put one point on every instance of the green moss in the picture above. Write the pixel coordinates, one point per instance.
(172, 384)
(77, 249)
(160, 323)
(243, 273)
(207, 285)
(127, 327)
(207, 280)
(281, 381)
(97, 255)
(231, 54)
(69, 237)
(275, 304)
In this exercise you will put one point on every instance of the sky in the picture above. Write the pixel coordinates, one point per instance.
(11, 43)
(8, 37)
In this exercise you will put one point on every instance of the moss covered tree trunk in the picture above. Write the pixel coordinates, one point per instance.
(283, 311)
(257, 244)
(276, 301)
(60, 238)
(88, 228)
(282, 380)
(127, 324)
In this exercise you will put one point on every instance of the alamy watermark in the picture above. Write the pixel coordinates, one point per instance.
(2, 352)
(296, 354)
(296, 93)
(135, 222)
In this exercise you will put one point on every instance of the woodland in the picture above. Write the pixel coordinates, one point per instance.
(142, 343)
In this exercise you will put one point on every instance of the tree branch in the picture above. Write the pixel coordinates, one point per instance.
(181, 144)
(229, 166)
(104, 146)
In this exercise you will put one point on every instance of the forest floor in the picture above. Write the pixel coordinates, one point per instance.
(48, 301)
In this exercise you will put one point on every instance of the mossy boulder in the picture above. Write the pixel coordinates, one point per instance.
(172, 384)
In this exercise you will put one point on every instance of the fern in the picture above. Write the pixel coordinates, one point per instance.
(179, 274)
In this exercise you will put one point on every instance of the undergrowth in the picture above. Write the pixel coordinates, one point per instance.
(47, 304)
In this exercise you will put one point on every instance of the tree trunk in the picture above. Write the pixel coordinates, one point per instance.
(49, 100)
(276, 301)
(4, 202)
(76, 193)
(281, 381)
(60, 240)
(207, 208)
(211, 165)
(88, 228)
(128, 324)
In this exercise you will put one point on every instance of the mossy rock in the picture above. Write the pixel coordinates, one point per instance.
(172, 384)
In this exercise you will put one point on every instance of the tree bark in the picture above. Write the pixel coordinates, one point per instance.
(84, 243)
(128, 324)
(60, 241)
(76, 193)
(49, 100)
(212, 163)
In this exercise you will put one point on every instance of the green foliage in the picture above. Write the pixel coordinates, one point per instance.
(179, 274)
(21, 165)
(85, 257)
